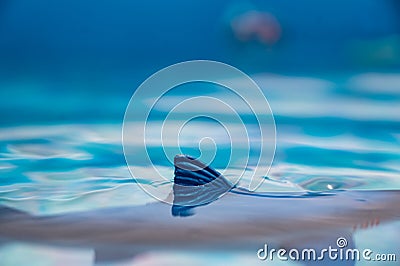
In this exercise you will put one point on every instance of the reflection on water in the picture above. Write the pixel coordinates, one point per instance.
(333, 134)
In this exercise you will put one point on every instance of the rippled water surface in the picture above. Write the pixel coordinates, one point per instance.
(333, 132)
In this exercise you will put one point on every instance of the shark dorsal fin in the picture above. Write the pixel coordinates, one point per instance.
(192, 172)
(195, 184)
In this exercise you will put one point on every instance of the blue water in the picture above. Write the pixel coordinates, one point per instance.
(333, 132)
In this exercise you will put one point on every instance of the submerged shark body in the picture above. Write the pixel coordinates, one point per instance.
(237, 220)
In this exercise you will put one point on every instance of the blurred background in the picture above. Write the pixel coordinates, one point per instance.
(57, 59)
(330, 70)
